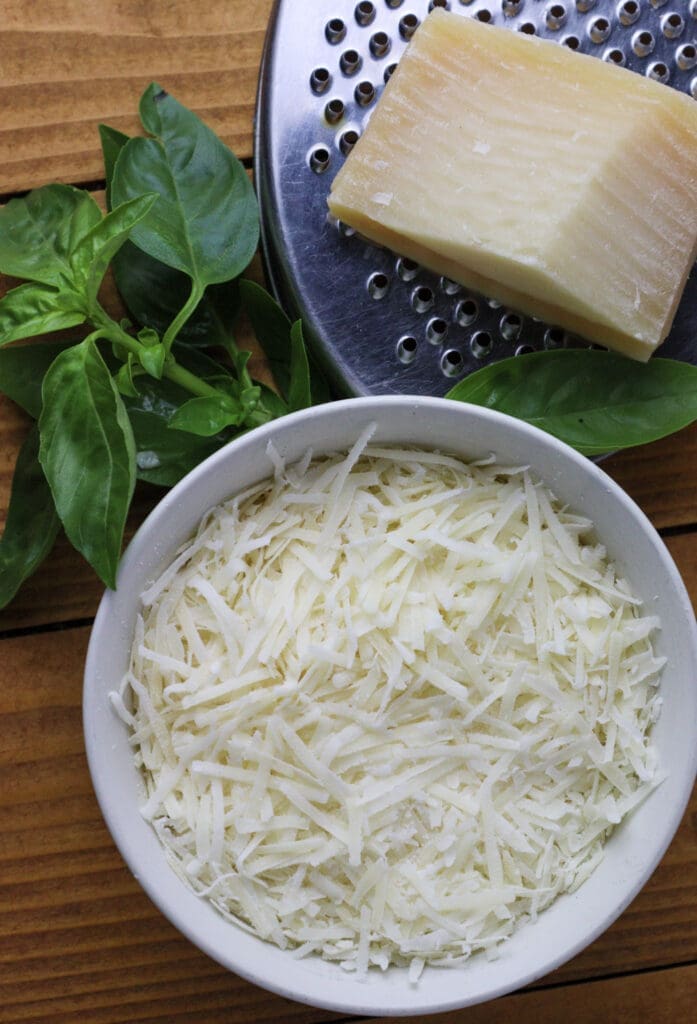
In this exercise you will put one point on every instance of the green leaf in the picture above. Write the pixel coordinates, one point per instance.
(88, 454)
(153, 360)
(154, 294)
(94, 252)
(112, 141)
(271, 403)
(22, 369)
(595, 401)
(39, 232)
(272, 329)
(299, 396)
(125, 377)
(164, 456)
(31, 526)
(32, 309)
(205, 222)
(208, 416)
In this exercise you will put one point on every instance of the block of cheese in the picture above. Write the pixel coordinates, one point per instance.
(564, 186)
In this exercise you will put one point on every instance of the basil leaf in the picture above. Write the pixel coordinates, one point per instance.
(164, 456)
(153, 360)
(595, 401)
(154, 294)
(32, 309)
(94, 252)
(299, 396)
(208, 416)
(22, 369)
(39, 231)
(205, 222)
(88, 454)
(271, 403)
(272, 329)
(124, 378)
(112, 141)
(31, 526)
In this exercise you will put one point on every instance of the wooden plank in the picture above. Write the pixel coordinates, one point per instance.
(78, 935)
(659, 997)
(661, 478)
(66, 66)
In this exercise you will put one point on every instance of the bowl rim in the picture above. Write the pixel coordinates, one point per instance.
(98, 756)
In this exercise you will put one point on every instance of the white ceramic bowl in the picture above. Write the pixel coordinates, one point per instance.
(632, 852)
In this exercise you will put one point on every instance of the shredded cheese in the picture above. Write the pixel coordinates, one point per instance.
(388, 706)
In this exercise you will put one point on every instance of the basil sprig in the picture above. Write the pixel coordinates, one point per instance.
(137, 399)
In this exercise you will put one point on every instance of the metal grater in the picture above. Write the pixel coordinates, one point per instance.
(377, 323)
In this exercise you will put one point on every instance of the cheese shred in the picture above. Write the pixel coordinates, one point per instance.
(388, 706)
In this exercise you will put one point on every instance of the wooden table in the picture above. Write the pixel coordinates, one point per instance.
(79, 941)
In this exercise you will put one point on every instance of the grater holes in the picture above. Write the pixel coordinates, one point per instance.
(510, 326)
(319, 159)
(686, 56)
(320, 80)
(407, 348)
(658, 3)
(350, 62)
(348, 140)
(448, 286)
(345, 230)
(523, 350)
(364, 13)
(658, 71)
(380, 44)
(378, 285)
(573, 42)
(407, 269)
(466, 312)
(693, 9)
(615, 56)
(364, 93)
(481, 344)
(389, 71)
(408, 25)
(599, 30)
(628, 12)
(555, 337)
(511, 7)
(422, 298)
(528, 28)
(394, 3)
(643, 43)
(555, 17)
(451, 362)
(335, 31)
(439, 3)
(672, 25)
(484, 15)
(585, 5)
(437, 330)
(693, 88)
(334, 111)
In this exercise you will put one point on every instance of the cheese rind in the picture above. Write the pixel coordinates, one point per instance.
(555, 182)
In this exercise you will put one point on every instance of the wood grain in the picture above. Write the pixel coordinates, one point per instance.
(78, 934)
(79, 940)
(660, 997)
(66, 66)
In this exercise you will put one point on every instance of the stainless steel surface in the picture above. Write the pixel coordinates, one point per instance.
(379, 324)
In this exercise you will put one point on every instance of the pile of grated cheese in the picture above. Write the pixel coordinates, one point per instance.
(388, 706)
